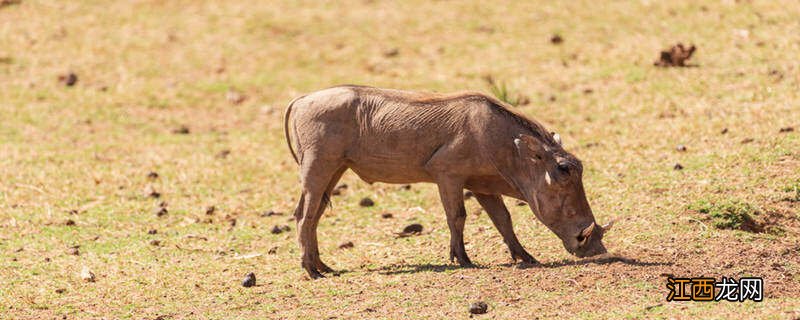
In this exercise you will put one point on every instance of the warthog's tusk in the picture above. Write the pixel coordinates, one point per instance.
(609, 224)
(557, 138)
(588, 230)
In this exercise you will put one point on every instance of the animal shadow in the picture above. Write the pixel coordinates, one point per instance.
(429, 267)
(425, 267)
(588, 261)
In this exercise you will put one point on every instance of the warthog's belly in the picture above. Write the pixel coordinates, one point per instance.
(388, 171)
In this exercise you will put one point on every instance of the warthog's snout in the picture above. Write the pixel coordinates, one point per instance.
(589, 241)
(583, 252)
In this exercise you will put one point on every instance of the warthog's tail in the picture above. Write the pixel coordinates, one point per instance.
(286, 128)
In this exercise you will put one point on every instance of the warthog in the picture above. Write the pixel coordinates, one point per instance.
(457, 141)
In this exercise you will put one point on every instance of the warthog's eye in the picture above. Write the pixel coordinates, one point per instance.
(563, 168)
(581, 238)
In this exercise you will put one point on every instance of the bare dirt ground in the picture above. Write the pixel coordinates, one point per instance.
(123, 122)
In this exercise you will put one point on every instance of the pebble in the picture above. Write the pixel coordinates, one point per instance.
(366, 202)
(87, 274)
(478, 307)
(249, 280)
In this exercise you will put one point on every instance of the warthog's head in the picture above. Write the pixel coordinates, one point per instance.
(553, 187)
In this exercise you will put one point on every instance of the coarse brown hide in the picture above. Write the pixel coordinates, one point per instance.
(457, 141)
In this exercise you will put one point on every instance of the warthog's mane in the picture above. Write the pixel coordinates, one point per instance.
(430, 98)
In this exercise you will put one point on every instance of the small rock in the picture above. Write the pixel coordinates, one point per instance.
(366, 202)
(485, 29)
(69, 79)
(270, 213)
(73, 251)
(724, 131)
(235, 97)
(386, 215)
(223, 154)
(249, 280)
(47, 259)
(676, 56)
(155, 242)
(151, 192)
(272, 250)
(87, 274)
(588, 91)
(786, 129)
(556, 39)
(161, 211)
(152, 175)
(478, 307)
(747, 140)
(681, 148)
(4, 3)
(648, 308)
(210, 210)
(678, 166)
(152, 231)
(468, 195)
(280, 229)
(346, 245)
(69, 222)
(393, 52)
(61, 290)
(411, 229)
(181, 130)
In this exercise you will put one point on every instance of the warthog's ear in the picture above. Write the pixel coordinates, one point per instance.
(529, 147)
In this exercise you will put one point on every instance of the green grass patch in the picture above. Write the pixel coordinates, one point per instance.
(793, 190)
(729, 214)
(502, 92)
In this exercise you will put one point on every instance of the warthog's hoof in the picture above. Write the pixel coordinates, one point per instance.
(524, 257)
(321, 266)
(314, 274)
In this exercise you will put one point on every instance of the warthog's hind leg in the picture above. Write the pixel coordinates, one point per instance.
(321, 266)
(318, 178)
(494, 206)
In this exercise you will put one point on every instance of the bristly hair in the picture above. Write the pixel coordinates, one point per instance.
(535, 128)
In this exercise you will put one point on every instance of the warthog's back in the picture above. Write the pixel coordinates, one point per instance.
(389, 135)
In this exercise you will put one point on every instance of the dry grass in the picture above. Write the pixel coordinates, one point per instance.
(145, 68)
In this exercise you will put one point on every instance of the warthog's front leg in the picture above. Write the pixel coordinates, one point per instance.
(494, 206)
(451, 192)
